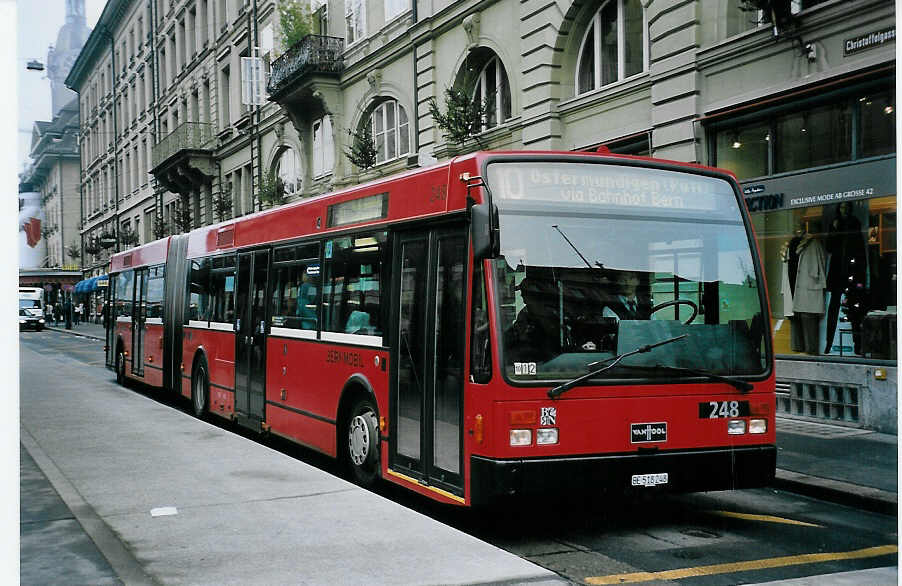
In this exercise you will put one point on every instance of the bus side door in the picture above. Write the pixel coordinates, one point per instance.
(426, 400)
(250, 337)
(139, 318)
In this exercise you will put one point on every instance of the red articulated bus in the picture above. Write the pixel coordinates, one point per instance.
(501, 324)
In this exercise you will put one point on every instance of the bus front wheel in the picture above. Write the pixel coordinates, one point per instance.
(363, 443)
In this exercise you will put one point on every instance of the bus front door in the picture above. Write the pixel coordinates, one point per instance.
(139, 319)
(427, 394)
(250, 339)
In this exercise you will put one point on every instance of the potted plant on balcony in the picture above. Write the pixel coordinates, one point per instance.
(107, 240)
(295, 21)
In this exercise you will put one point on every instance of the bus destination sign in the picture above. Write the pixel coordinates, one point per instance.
(606, 185)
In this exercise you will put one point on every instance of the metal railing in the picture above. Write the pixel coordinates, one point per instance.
(188, 135)
(312, 54)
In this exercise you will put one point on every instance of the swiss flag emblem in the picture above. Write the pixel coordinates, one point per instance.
(33, 231)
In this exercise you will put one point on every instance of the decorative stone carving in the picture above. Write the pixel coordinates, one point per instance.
(374, 78)
(471, 27)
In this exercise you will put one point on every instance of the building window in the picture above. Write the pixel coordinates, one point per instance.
(355, 20)
(394, 8)
(807, 135)
(288, 169)
(492, 89)
(323, 147)
(390, 129)
(614, 45)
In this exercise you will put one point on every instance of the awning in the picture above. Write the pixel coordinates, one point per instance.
(90, 285)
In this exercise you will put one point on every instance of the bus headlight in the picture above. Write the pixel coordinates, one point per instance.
(736, 426)
(546, 436)
(521, 437)
(757, 425)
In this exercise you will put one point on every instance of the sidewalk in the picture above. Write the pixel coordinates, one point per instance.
(167, 498)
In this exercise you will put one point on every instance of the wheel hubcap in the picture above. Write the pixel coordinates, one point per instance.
(358, 440)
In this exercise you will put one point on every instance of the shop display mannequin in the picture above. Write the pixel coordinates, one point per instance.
(848, 268)
(805, 268)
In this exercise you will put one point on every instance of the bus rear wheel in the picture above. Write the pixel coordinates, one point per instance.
(199, 389)
(363, 443)
(120, 365)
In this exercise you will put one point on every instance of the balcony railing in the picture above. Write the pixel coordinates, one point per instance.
(312, 54)
(188, 135)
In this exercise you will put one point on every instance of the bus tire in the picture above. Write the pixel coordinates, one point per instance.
(362, 441)
(200, 388)
(120, 365)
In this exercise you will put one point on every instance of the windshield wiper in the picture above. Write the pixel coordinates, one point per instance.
(614, 360)
(743, 386)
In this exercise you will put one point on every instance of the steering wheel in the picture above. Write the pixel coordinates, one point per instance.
(691, 304)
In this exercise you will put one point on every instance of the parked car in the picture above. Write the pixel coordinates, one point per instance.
(31, 319)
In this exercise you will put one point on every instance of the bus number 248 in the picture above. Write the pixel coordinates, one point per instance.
(718, 409)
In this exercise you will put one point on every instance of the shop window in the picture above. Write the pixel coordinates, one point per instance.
(744, 150)
(614, 45)
(831, 271)
(813, 137)
(878, 125)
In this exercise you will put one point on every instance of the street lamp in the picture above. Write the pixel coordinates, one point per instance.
(34, 65)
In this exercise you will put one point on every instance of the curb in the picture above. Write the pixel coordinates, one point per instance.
(72, 332)
(845, 493)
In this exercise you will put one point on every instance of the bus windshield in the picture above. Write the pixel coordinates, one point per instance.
(600, 259)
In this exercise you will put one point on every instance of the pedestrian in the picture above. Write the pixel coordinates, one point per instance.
(48, 313)
(78, 311)
(57, 313)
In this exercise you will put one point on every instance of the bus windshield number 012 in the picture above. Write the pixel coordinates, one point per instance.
(721, 409)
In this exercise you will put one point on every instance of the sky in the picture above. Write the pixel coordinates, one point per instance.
(37, 23)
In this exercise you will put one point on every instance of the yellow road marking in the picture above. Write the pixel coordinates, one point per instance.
(765, 518)
(790, 560)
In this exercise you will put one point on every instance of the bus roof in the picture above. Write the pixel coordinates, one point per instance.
(414, 194)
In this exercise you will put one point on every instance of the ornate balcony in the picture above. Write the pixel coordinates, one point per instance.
(311, 56)
(183, 159)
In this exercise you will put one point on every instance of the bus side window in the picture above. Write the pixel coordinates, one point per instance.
(354, 268)
(125, 288)
(480, 345)
(199, 296)
(155, 292)
(222, 289)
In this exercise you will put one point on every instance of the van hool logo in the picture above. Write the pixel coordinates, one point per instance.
(641, 433)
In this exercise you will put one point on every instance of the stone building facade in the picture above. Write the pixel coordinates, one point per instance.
(798, 101)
